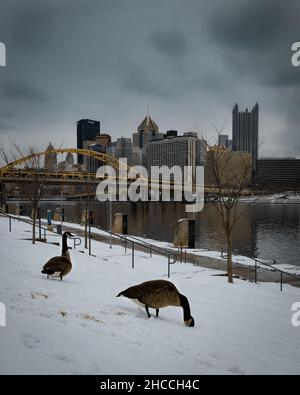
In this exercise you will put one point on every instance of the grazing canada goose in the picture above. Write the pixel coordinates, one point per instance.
(158, 294)
(59, 266)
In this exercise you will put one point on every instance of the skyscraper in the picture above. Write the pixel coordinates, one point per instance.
(146, 131)
(92, 164)
(50, 159)
(186, 150)
(222, 140)
(104, 139)
(123, 148)
(87, 130)
(245, 131)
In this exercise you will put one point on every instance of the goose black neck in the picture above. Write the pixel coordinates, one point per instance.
(184, 303)
(64, 244)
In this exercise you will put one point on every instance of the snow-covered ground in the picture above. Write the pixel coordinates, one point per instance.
(204, 252)
(79, 326)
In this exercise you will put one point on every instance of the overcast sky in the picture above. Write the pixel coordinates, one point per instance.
(190, 60)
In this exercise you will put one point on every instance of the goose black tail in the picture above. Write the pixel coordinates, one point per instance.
(120, 294)
(48, 271)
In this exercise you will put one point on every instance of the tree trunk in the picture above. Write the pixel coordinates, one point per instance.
(229, 256)
(34, 222)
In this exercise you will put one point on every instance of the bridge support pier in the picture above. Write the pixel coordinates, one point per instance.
(185, 233)
(120, 224)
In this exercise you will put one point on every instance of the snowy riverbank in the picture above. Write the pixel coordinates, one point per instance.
(217, 255)
(274, 198)
(79, 326)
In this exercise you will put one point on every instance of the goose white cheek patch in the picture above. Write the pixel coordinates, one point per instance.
(2, 315)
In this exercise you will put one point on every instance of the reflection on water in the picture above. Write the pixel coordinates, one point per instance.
(264, 231)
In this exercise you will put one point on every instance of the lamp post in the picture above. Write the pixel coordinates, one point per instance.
(110, 223)
(17, 190)
(61, 209)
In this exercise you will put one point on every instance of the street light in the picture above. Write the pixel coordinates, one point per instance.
(61, 209)
(110, 223)
(17, 190)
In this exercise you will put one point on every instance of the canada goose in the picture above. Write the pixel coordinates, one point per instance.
(59, 266)
(157, 294)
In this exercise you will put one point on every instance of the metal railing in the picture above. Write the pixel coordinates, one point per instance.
(133, 241)
(171, 255)
(258, 263)
(151, 248)
(10, 217)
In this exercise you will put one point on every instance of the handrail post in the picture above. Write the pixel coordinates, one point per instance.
(168, 265)
(90, 241)
(9, 220)
(255, 277)
(281, 281)
(125, 245)
(132, 255)
(40, 223)
(110, 223)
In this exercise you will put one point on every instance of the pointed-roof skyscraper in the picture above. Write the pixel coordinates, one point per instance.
(147, 130)
(50, 159)
(148, 124)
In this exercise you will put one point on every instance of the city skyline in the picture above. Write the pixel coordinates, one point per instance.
(190, 63)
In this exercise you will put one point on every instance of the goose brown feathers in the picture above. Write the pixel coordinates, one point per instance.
(157, 294)
(59, 266)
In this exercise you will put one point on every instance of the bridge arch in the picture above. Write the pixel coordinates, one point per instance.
(104, 158)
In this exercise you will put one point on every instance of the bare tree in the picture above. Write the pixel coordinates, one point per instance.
(228, 173)
(37, 177)
(32, 166)
(89, 191)
(4, 160)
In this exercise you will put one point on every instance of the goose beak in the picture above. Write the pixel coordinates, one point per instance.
(190, 323)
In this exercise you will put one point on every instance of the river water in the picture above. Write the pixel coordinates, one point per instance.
(267, 231)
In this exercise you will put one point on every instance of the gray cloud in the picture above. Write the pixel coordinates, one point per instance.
(253, 25)
(4, 127)
(33, 26)
(254, 38)
(190, 60)
(21, 91)
(171, 43)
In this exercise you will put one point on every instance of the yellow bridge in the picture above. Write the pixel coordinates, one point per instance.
(23, 169)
